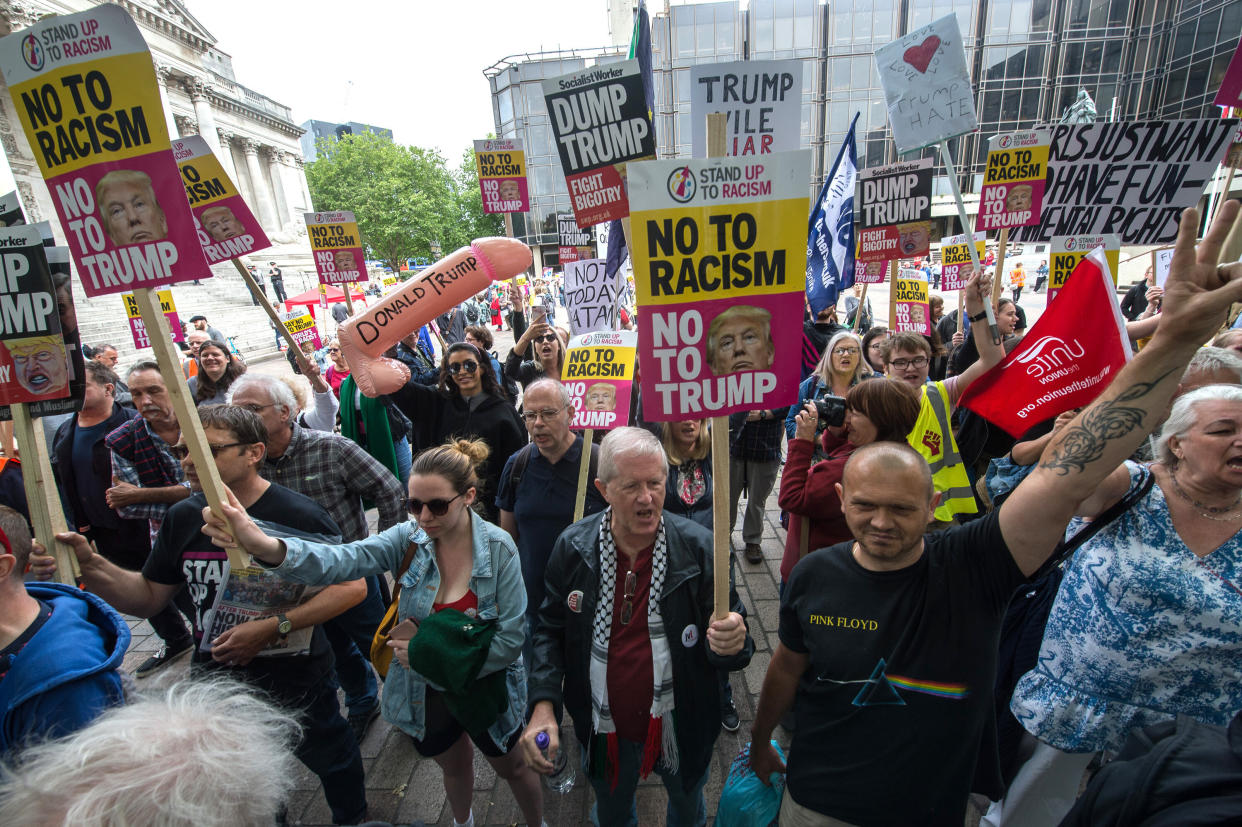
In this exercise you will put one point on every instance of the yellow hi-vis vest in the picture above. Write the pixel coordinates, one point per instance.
(932, 436)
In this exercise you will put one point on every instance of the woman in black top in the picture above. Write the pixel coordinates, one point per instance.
(467, 402)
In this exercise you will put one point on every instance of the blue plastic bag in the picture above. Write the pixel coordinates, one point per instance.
(746, 801)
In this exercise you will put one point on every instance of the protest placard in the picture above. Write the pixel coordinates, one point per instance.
(84, 89)
(301, 326)
(1067, 251)
(226, 226)
(1164, 260)
(894, 211)
(870, 272)
(575, 243)
(761, 100)
(1230, 91)
(336, 246)
(1013, 182)
(910, 295)
(956, 267)
(1131, 179)
(11, 210)
(34, 363)
(138, 328)
(927, 85)
(591, 296)
(600, 121)
(599, 373)
(501, 164)
(719, 250)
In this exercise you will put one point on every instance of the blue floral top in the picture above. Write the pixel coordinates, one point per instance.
(1142, 630)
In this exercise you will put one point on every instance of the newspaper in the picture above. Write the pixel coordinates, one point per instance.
(253, 593)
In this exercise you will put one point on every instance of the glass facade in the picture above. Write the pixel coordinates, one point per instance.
(1137, 59)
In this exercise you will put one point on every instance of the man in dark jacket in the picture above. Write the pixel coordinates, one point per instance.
(626, 641)
(59, 650)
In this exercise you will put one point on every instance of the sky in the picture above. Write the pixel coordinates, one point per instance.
(414, 67)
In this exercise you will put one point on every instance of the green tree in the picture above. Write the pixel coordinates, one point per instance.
(404, 197)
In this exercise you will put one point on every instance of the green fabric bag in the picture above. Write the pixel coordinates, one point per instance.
(449, 650)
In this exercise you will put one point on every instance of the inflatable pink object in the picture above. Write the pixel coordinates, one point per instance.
(442, 286)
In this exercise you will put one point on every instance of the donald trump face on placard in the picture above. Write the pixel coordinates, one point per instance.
(128, 209)
(740, 339)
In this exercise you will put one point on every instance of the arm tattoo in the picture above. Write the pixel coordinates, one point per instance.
(1085, 442)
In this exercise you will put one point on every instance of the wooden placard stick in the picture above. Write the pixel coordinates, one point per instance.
(42, 498)
(267, 307)
(1000, 267)
(858, 312)
(722, 549)
(951, 173)
(187, 412)
(349, 303)
(893, 270)
(584, 470)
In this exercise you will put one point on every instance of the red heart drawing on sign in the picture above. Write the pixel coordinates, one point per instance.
(920, 56)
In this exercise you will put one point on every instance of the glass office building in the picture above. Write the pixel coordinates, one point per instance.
(1137, 59)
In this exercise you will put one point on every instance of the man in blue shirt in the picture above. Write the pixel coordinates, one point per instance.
(536, 502)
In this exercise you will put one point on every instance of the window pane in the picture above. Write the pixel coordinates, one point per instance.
(840, 75)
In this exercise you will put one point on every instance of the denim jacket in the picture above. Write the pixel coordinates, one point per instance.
(496, 580)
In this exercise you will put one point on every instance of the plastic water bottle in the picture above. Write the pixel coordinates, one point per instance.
(563, 775)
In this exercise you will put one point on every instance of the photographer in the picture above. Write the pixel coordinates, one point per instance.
(870, 412)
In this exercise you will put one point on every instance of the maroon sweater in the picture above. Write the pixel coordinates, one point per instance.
(810, 492)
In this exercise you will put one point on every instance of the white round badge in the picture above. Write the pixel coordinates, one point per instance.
(689, 636)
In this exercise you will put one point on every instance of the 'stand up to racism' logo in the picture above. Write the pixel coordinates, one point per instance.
(32, 52)
(1004, 142)
(1070, 244)
(681, 184)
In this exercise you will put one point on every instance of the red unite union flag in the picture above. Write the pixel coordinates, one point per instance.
(1071, 354)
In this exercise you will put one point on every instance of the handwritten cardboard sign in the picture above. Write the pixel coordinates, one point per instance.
(600, 122)
(337, 247)
(894, 211)
(1013, 182)
(575, 242)
(1133, 179)
(501, 164)
(719, 249)
(599, 375)
(927, 85)
(591, 297)
(84, 89)
(226, 226)
(762, 102)
(1164, 262)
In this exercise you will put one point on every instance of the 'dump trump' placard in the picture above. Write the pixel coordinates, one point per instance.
(84, 89)
(719, 251)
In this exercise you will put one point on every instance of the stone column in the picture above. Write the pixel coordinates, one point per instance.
(274, 167)
(263, 199)
(185, 125)
(299, 168)
(291, 179)
(225, 153)
(199, 91)
(163, 73)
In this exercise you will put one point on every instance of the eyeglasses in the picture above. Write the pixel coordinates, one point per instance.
(437, 507)
(547, 337)
(180, 452)
(253, 408)
(627, 608)
(469, 366)
(846, 351)
(902, 364)
(334, 350)
(547, 414)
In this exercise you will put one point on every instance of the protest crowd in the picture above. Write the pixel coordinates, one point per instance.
(1010, 579)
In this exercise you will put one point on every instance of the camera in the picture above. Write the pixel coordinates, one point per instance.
(830, 410)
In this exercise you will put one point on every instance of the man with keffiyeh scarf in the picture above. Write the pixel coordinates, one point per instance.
(627, 642)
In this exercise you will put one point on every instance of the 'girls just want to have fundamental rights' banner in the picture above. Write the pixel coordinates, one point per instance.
(84, 89)
(719, 250)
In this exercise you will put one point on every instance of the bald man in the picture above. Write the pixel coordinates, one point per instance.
(888, 644)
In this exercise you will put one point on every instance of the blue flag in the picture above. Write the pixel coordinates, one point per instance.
(640, 47)
(830, 238)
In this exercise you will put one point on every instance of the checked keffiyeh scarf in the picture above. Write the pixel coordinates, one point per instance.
(661, 740)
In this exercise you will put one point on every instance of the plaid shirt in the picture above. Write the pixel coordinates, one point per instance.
(140, 457)
(758, 441)
(338, 474)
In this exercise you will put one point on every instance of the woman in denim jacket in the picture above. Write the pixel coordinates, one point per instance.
(459, 561)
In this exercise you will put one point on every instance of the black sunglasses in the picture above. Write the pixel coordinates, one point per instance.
(437, 507)
(469, 366)
(547, 337)
(180, 452)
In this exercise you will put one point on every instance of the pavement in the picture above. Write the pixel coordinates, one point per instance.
(403, 788)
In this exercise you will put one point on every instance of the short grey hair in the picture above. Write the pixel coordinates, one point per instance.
(208, 753)
(1214, 359)
(548, 383)
(145, 364)
(277, 391)
(1183, 416)
(624, 442)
